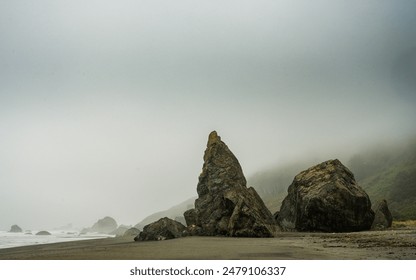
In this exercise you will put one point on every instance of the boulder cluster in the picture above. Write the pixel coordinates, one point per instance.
(324, 198)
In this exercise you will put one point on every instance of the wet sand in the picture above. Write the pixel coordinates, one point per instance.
(371, 245)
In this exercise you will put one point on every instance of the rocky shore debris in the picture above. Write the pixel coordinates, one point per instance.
(326, 198)
(225, 206)
(383, 218)
(163, 229)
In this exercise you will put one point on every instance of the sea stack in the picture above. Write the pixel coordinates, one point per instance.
(225, 206)
(105, 225)
(15, 228)
(326, 198)
(43, 232)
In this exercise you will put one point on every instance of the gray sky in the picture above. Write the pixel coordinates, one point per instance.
(105, 106)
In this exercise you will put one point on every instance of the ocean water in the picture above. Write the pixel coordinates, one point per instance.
(17, 239)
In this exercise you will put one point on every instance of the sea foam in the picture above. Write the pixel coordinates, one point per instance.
(13, 239)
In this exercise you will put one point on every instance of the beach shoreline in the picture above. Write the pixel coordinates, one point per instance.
(370, 245)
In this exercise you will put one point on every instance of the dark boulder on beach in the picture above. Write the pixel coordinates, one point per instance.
(383, 218)
(15, 228)
(225, 206)
(43, 232)
(326, 198)
(162, 229)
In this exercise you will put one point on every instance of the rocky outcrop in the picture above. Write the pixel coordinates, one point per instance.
(383, 218)
(326, 198)
(43, 232)
(105, 225)
(15, 228)
(225, 206)
(162, 229)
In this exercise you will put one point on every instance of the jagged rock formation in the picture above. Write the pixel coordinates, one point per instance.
(383, 218)
(326, 198)
(43, 232)
(15, 228)
(105, 225)
(225, 206)
(162, 229)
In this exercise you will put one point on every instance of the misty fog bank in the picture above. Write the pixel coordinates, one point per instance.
(105, 107)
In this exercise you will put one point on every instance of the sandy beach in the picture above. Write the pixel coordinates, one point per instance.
(372, 245)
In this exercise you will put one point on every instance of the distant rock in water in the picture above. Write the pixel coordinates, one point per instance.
(326, 198)
(225, 206)
(43, 232)
(105, 225)
(85, 230)
(383, 218)
(131, 232)
(15, 228)
(119, 231)
(162, 229)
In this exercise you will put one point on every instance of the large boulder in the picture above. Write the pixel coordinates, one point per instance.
(225, 206)
(163, 229)
(326, 198)
(105, 225)
(15, 228)
(383, 218)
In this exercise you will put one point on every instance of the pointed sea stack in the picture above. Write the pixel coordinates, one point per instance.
(326, 198)
(225, 206)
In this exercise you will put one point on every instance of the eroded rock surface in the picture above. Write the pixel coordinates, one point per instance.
(326, 198)
(225, 206)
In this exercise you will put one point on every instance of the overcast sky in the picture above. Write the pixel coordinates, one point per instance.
(106, 106)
